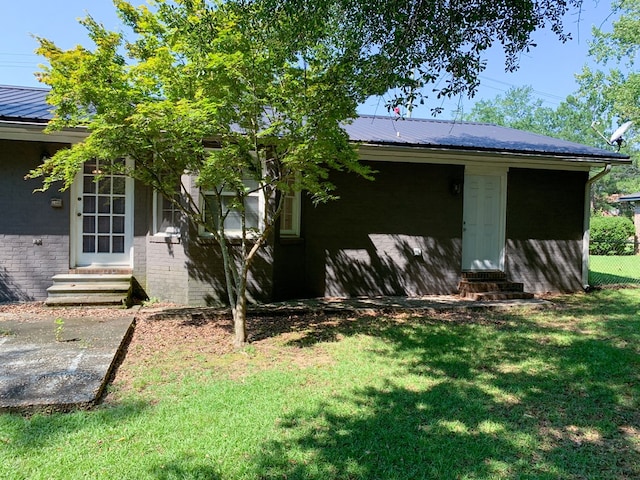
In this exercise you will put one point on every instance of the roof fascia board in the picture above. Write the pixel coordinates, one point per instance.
(34, 132)
(466, 157)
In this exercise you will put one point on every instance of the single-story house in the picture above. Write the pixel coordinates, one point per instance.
(450, 200)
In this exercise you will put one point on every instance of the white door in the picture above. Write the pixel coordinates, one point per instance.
(483, 228)
(103, 220)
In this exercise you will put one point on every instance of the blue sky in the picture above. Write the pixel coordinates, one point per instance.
(549, 68)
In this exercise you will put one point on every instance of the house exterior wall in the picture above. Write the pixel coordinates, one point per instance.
(34, 236)
(545, 211)
(397, 235)
(363, 243)
(189, 269)
(167, 274)
(289, 268)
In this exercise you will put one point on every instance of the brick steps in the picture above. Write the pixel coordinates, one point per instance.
(89, 289)
(490, 286)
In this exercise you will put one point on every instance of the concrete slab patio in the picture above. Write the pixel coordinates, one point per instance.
(41, 372)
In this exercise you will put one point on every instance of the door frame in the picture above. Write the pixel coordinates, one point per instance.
(501, 214)
(75, 229)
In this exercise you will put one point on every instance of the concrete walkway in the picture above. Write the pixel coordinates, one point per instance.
(40, 372)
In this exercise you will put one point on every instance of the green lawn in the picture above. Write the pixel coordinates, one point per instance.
(530, 394)
(614, 269)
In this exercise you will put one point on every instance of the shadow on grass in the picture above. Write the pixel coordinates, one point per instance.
(32, 433)
(185, 468)
(489, 395)
(602, 278)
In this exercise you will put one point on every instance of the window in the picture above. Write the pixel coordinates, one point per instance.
(254, 211)
(233, 222)
(290, 215)
(167, 216)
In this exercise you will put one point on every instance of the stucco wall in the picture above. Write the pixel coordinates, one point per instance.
(363, 243)
(34, 238)
(545, 228)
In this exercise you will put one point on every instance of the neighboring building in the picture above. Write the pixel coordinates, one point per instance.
(634, 200)
(449, 197)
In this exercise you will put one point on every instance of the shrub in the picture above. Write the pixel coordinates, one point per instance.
(611, 236)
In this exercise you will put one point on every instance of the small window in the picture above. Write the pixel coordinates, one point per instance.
(290, 215)
(167, 216)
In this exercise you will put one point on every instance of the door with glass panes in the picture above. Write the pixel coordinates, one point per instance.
(103, 217)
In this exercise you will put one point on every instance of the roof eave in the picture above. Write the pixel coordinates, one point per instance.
(616, 159)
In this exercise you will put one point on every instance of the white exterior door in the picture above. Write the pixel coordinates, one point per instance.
(483, 230)
(103, 218)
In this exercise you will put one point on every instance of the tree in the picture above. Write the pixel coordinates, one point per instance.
(198, 72)
(520, 108)
(270, 82)
(517, 108)
(615, 92)
(619, 88)
(424, 48)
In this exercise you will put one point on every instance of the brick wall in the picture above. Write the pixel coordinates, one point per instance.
(34, 239)
(397, 235)
(544, 229)
(189, 269)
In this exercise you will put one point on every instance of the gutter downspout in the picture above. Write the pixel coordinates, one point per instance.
(587, 217)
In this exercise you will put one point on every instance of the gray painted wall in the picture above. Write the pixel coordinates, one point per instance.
(34, 237)
(189, 270)
(363, 243)
(544, 229)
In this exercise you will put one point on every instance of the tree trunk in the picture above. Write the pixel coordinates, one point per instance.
(240, 317)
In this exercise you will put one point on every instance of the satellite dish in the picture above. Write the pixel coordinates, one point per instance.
(616, 139)
(617, 135)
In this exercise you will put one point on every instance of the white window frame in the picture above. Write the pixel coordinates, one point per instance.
(294, 231)
(172, 231)
(234, 233)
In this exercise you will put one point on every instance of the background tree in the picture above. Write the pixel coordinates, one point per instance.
(517, 108)
(271, 82)
(615, 87)
(619, 87)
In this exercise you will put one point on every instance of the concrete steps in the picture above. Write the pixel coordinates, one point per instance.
(490, 286)
(90, 289)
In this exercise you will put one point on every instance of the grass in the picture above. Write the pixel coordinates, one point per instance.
(544, 394)
(614, 269)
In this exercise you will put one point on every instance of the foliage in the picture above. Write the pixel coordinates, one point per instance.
(619, 87)
(269, 82)
(424, 49)
(615, 92)
(519, 108)
(545, 393)
(272, 105)
(59, 329)
(611, 236)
